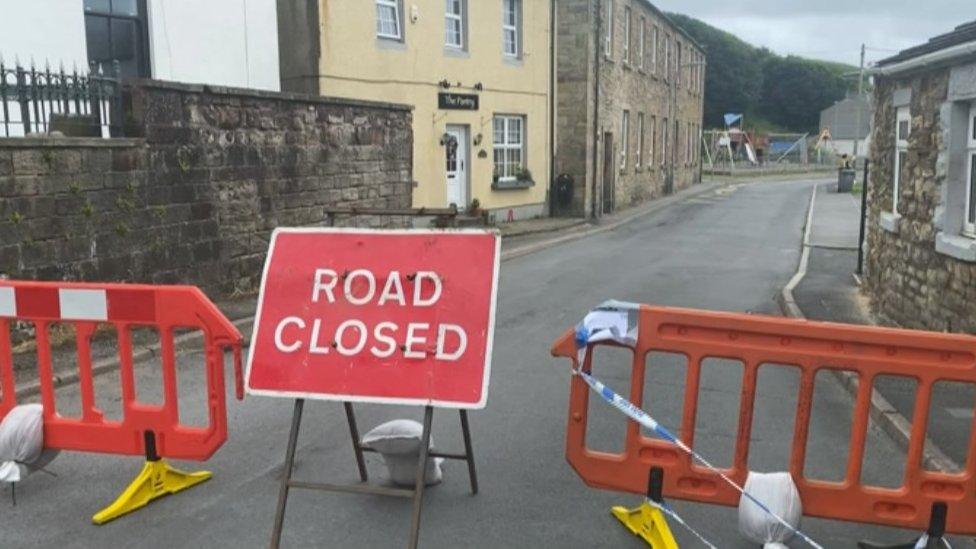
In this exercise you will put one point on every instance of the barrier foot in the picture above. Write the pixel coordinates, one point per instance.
(156, 480)
(648, 522)
(933, 538)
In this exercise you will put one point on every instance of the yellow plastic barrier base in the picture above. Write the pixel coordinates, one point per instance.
(647, 523)
(156, 480)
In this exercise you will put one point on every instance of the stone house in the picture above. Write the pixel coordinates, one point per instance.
(921, 238)
(629, 106)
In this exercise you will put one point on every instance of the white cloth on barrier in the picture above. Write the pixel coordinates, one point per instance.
(776, 491)
(21, 441)
(398, 441)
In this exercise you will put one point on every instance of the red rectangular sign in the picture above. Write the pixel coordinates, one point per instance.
(397, 317)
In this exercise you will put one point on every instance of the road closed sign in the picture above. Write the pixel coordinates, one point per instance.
(356, 315)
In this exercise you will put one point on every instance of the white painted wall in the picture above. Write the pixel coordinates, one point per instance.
(222, 42)
(52, 30)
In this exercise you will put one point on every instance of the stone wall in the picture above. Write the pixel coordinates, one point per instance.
(194, 196)
(909, 281)
(623, 86)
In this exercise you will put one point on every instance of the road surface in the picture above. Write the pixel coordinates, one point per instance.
(731, 250)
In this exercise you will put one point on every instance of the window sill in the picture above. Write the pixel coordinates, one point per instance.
(890, 222)
(513, 61)
(957, 246)
(395, 44)
(513, 184)
(452, 51)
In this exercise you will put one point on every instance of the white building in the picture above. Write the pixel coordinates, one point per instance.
(219, 42)
(849, 123)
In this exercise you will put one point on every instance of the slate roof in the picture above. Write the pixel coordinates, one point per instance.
(962, 34)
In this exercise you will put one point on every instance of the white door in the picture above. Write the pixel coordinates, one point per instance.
(456, 155)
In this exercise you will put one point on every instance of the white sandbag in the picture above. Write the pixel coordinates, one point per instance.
(779, 494)
(398, 441)
(21, 441)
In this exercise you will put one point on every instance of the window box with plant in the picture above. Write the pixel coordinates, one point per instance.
(521, 178)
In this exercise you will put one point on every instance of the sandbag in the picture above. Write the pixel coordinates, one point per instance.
(779, 494)
(21, 441)
(398, 441)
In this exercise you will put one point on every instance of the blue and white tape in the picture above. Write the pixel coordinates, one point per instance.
(641, 417)
(667, 510)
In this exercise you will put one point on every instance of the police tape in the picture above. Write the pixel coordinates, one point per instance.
(641, 417)
(667, 510)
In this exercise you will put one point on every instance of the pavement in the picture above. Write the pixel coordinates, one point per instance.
(828, 291)
(730, 248)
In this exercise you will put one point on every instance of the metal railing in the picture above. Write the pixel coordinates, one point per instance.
(42, 101)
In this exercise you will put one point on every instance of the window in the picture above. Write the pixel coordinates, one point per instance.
(627, 34)
(664, 141)
(903, 128)
(655, 37)
(454, 24)
(624, 140)
(969, 227)
(638, 160)
(608, 31)
(509, 146)
(511, 22)
(651, 151)
(678, 71)
(116, 30)
(667, 57)
(388, 19)
(642, 41)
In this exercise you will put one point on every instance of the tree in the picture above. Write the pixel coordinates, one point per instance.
(788, 91)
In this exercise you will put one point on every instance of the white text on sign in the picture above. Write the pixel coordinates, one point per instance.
(351, 337)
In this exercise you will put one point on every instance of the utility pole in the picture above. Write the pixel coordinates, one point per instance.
(860, 96)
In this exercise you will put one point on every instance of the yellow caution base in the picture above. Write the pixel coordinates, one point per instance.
(647, 523)
(156, 480)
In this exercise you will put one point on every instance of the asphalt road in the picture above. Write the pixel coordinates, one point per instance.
(732, 250)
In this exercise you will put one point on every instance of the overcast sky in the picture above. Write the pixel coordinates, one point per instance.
(829, 29)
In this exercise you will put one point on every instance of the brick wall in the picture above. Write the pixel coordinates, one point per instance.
(194, 197)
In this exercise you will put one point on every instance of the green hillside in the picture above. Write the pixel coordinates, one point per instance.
(781, 92)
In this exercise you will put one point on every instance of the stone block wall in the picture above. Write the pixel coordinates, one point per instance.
(622, 86)
(909, 281)
(194, 196)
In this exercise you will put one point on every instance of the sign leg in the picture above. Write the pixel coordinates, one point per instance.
(296, 423)
(418, 493)
(354, 431)
(469, 451)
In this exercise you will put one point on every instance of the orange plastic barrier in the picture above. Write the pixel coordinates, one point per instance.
(809, 346)
(85, 307)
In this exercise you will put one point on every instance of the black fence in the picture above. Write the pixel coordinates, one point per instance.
(42, 101)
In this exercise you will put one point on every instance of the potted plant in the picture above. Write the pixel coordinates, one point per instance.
(524, 174)
(474, 209)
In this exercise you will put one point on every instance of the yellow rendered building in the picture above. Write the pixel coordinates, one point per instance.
(477, 73)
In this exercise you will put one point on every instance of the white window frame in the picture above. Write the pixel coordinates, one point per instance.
(515, 30)
(624, 139)
(639, 157)
(652, 150)
(608, 31)
(664, 141)
(678, 48)
(667, 57)
(969, 222)
(508, 168)
(642, 40)
(395, 6)
(628, 16)
(903, 114)
(655, 37)
(454, 17)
